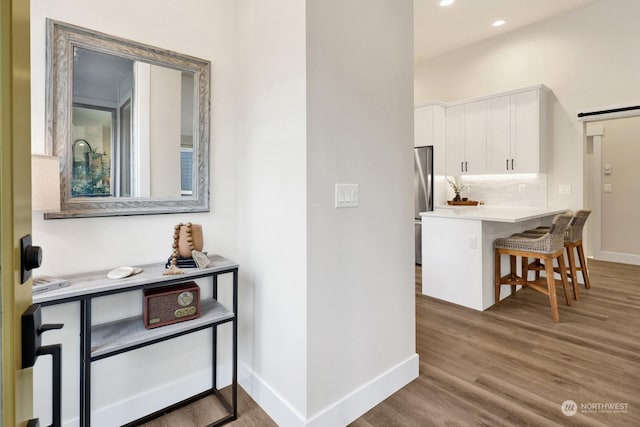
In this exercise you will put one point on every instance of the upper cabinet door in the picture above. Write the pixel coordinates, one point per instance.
(423, 126)
(454, 140)
(499, 135)
(513, 133)
(429, 129)
(475, 138)
(525, 129)
(504, 133)
(438, 140)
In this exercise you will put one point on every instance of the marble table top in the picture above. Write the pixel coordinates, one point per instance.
(97, 282)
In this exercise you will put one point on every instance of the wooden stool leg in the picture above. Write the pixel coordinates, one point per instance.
(551, 287)
(574, 273)
(497, 275)
(565, 281)
(524, 265)
(583, 266)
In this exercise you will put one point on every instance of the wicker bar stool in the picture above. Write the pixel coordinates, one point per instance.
(546, 248)
(573, 246)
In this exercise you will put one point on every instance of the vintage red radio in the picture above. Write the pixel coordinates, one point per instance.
(171, 304)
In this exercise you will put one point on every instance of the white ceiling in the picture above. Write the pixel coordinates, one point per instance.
(438, 29)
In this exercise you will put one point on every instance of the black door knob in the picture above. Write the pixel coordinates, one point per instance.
(32, 257)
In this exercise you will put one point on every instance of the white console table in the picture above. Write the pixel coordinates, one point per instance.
(109, 339)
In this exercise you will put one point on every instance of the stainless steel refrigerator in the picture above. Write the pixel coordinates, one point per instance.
(422, 190)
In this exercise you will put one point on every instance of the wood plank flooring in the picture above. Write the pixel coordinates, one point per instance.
(511, 365)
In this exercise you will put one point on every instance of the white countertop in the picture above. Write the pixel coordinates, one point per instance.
(491, 213)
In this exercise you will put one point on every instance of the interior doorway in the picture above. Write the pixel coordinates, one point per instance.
(612, 172)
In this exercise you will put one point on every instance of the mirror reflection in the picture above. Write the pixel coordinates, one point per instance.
(130, 124)
(119, 107)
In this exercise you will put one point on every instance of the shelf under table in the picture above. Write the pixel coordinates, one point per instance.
(120, 335)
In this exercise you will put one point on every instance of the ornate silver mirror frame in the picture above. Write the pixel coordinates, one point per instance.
(62, 41)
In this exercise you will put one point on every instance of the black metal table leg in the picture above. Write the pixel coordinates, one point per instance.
(234, 380)
(85, 362)
(214, 340)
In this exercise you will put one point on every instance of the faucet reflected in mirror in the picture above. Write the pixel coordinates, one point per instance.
(91, 171)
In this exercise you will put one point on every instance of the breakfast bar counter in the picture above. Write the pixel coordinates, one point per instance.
(457, 249)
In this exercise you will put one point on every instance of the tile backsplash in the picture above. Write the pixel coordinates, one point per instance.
(498, 190)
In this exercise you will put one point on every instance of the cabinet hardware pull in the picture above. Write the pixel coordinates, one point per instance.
(461, 166)
(465, 167)
(511, 164)
(507, 164)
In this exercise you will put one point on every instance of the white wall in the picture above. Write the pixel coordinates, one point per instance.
(335, 283)
(313, 276)
(360, 260)
(200, 28)
(271, 137)
(587, 57)
(620, 207)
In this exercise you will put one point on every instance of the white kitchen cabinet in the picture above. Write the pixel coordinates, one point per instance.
(499, 134)
(495, 134)
(454, 140)
(423, 126)
(526, 143)
(466, 139)
(515, 132)
(475, 138)
(468, 232)
(429, 129)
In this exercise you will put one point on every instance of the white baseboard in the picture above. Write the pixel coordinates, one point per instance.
(619, 257)
(276, 406)
(134, 407)
(343, 411)
(361, 400)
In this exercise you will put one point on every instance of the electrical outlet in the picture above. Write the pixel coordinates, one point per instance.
(473, 243)
(564, 189)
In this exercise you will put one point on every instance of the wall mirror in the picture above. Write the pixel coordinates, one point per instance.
(129, 123)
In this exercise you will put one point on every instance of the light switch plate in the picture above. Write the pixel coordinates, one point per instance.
(607, 188)
(346, 196)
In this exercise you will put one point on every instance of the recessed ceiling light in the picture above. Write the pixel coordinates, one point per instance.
(499, 23)
(446, 2)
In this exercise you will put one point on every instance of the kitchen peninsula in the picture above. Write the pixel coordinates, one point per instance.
(457, 249)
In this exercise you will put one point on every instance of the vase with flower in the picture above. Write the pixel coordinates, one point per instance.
(457, 188)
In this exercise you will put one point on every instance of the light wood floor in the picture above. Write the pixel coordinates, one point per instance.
(512, 366)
